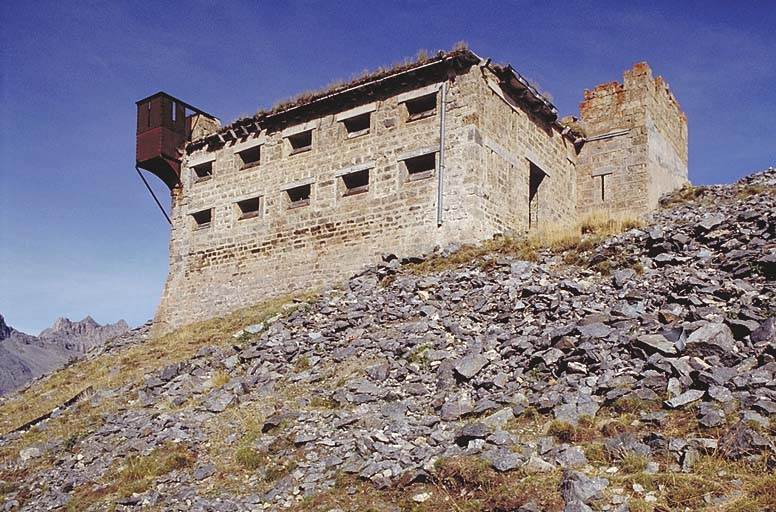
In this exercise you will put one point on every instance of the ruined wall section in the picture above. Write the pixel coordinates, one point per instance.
(668, 141)
(636, 147)
(512, 138)
(239, 262)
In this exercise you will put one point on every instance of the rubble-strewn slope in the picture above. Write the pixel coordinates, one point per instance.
(631, 373)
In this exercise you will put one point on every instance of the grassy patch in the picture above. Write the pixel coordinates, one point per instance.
(742, 486)
(470, 484)
(632, 463)
(66, 429)
(569, 241)
(458, 484)
(596, 454)
(634, 405)
(584, 431)
(136, 475)
(247, 457)
(220, 378)
(302, 364)
(418, 355)
(686, 194)
(8, 488)
(139, 472)
(748, 191)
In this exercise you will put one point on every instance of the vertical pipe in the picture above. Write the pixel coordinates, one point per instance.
(441, 174)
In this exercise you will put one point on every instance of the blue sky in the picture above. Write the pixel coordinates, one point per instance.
(79, 234)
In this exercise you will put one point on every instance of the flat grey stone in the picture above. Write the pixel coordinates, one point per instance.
(502, 459)
(202, 472)
(685, 398)
(578, 487)
(499, 418)
(537, 465)
(219, 401)
(658, 343)
(470, 365)
(571, 457)
(711, 221)
(594, 330)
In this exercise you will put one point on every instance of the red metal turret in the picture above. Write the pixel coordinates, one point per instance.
(164, 126)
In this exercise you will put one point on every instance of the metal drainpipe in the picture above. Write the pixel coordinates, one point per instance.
(441, 175)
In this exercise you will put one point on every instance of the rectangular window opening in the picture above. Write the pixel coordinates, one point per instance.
(358, 125)
(356, 182)
(249, 208)
(250, 157)
(299, 196)
(203, 172)
(424, 106)
(420, 167)
(301, 142)
(202, 219)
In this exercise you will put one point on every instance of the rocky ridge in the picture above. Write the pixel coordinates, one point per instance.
(24, 357)
(601, 376)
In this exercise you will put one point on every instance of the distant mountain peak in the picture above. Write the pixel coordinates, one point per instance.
(87, 327)
(5, 331)
(23, 357)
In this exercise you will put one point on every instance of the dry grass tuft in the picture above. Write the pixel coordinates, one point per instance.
(471, 484)
(569, 241)
(686, 194)
(748, 191)
(220, 378)
(136, 475)
(584, 431)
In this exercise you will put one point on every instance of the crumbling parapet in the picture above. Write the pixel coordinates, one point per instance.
(635, 146)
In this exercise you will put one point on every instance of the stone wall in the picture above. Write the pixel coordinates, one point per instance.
(238, 262)
(513, 138)
(507, 170)
(636, 148)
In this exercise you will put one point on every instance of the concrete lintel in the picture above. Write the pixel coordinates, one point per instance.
(417, 93)
(201, 159)
(298, 183)
(417, 152)
(250, 143)
(501, 151)
(354, 168)
(608, 135)
(243, 197)
(538, 163)
(353, 112)
(602, 171)
(192, 209)
(299, 128)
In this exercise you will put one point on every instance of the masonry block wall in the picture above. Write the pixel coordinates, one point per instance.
(635, 147)
(514, 141)
(233, 262)
(302, 202)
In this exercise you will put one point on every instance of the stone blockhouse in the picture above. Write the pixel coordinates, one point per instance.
(451, 148)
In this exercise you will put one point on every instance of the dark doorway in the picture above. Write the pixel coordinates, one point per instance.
(534, 182)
